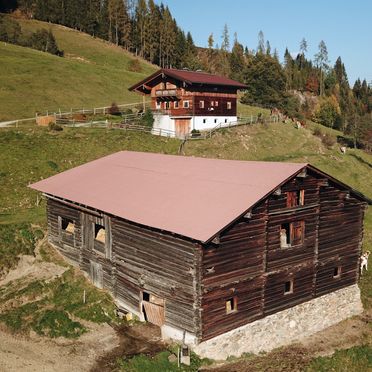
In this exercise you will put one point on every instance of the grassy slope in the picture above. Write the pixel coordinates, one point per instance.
(94, 73)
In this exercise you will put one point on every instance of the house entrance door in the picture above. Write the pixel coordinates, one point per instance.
(182, 127)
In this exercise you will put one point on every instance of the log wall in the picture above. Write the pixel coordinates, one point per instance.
(160, 264)
(251, 265)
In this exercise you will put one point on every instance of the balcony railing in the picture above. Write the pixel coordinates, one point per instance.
(167, 93)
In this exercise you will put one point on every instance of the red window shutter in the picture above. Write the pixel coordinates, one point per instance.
(298, 233)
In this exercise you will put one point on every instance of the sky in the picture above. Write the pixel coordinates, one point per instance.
(344, 25)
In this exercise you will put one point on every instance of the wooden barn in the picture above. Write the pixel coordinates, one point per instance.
(184, 100)
(205, 246)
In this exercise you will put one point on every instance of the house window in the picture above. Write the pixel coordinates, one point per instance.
(167, 105)
(292, 234)
(158, 105)
(175, 104)
(216, 103)
(337, 272)
(67, 225)
(231, 305)
(212, 103)
(186, 104)
(229, 105)
(288, 287)
(99, 234)
(201, 104)
(295, 198)
(204, 121)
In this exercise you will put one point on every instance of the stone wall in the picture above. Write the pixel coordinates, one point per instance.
(286, 326)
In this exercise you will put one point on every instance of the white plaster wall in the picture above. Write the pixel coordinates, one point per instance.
(197, 121)
(285, 327)
(163, 122)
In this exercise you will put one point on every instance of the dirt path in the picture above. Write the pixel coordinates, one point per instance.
(140, 339)
(36, 354)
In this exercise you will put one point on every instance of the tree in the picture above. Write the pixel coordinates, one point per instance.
(225, 45)
(261, 43)
(268, 47)
(288, 68)
(210, 41)
(266, 82)
(321, 61)
(303, 46)
(237, 61)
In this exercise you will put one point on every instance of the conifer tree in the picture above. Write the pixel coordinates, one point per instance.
(321, 61)
(261, 43)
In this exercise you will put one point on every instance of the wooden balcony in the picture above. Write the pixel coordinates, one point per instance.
(168, 93)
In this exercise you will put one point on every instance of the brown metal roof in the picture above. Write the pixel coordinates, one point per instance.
(192, 77)
(193, 197)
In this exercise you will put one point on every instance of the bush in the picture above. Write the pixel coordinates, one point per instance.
(147, 119)
(45, 41)
(318, 132)
(114, 109)
(54, 127)
(328, 140)
(10, 30)
(134, 65)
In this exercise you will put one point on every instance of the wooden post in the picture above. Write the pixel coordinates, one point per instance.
(144, 103)
(84, 296)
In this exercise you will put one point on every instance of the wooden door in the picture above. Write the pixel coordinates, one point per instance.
(182, 127)
(154, 310)
(96, 274)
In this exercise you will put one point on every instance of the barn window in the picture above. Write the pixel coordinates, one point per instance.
(158, 105)
(99, 233)
(175, 104)
(167, 105)
(216, 103)
(292, 234)
(215, 121)
(295, 198)
(288, 287)
(285, 235)
(337, 272)
(225, 120)
(201, 104)
(229, 105)
(67, 225)
(204, 121)
(186, 104)
(231, 305)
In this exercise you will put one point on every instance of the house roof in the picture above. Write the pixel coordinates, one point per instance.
(191, 77)
(193, 197)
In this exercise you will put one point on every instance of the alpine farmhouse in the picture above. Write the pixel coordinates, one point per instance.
(235, 256)
(183, 100)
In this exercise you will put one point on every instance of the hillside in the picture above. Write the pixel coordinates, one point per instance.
(43, 153)
(93, 73)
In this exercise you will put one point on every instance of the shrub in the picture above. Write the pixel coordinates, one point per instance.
(328, 140)
(318, 132)
(134, 65)
(147, 118)
(54, 127)
(10, 30)
(45, 41)
(114, 109)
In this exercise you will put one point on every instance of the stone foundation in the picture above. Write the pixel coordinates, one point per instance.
(285, 327)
